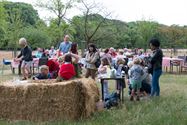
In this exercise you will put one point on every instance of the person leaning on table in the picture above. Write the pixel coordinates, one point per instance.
(26, 57)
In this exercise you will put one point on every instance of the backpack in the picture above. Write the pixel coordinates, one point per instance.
(112, 100)
(98, 62)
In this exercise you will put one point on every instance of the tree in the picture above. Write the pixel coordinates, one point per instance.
(14, 30)
(58, 7)
(147, 30)
(57, 33)
(36, 38)
(92, 21)
(3, 24)
(28, 14)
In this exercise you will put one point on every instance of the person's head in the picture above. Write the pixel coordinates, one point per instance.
(104, 61)
(52, 47)
(44, 70)
(137, 61)
(130, 64)
(121, 52)
(120, 61)
(92, 47)
(74, 48)
(22, 42)
(61, 59)
(68, 58)
(112, 50)
(106, 51)
(66, 38)
(154, 43)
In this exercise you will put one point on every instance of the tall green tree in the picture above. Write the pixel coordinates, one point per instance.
(28, 14)
(58, 7)
(147, 30)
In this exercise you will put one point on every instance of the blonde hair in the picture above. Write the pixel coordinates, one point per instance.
(121, 61)
(137, 61)
(130, 64)
(44, 67)
(22, 41)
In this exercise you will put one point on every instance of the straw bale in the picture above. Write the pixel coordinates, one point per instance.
(48, 101)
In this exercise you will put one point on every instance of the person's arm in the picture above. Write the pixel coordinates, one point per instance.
(156, 56)
(102, 69)
(76, 57)
(94, 59)
(87, 58)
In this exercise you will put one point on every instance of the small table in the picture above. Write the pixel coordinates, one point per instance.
(121, 88)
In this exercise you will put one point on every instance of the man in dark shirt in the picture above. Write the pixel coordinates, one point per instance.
(25, 57)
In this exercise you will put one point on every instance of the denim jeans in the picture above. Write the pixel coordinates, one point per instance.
(155, 88)
(106, 93)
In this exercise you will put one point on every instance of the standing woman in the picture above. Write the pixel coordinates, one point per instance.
(75, 56)
(91, 57)
(156, 62)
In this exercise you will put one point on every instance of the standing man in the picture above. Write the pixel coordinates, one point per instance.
(65, 46)
(26, 58)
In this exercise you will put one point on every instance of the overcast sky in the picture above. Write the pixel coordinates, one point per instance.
(163, 11)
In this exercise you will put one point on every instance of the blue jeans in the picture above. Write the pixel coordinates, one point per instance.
(106, 93)
(155, 88)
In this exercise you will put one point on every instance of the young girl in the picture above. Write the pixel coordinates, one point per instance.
(135, 75)
(104, 70)
(67, 70)
(120, 68)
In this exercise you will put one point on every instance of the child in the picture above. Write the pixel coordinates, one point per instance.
(120, 70)
(135, 75)
(44, 73)
(67, 70)
(104, 70)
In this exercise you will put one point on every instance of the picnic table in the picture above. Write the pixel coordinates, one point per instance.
(166, 62)
(121, 90)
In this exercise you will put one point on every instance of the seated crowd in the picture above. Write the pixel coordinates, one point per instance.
(65, 64)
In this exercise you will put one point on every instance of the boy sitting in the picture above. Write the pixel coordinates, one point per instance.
(44, 73)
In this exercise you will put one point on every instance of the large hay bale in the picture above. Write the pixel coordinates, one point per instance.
(69, 100)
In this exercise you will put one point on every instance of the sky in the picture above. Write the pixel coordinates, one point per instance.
(166, 12)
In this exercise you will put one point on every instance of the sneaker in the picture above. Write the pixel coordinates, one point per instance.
(131, 98)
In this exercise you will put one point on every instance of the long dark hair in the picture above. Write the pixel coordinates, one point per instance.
(74, 48)
(93, 46)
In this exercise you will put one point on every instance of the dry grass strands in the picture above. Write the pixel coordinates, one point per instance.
(47, 101)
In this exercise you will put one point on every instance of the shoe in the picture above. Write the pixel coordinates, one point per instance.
(138, 98)
(24, 79)
(131, 98)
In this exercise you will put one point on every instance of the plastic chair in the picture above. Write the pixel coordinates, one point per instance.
(5, 63)
(175, 63)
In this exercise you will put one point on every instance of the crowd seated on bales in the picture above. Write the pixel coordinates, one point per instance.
(141, 70)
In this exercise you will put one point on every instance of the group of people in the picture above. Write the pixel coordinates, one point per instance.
(141, 70)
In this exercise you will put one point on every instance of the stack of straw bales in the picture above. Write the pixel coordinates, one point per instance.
(46, 101)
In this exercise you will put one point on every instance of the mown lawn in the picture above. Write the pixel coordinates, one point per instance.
(169, 109)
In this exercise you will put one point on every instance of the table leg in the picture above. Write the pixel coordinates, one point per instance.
(102, 89)
(13, 70)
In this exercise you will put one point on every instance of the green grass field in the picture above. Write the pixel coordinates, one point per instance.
(168, 109)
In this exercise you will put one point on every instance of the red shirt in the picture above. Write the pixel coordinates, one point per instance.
(53, 66)
(67, 71)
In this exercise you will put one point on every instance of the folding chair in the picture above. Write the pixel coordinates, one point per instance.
(5, 63)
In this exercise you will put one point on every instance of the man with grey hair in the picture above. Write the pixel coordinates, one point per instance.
(25, 57)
